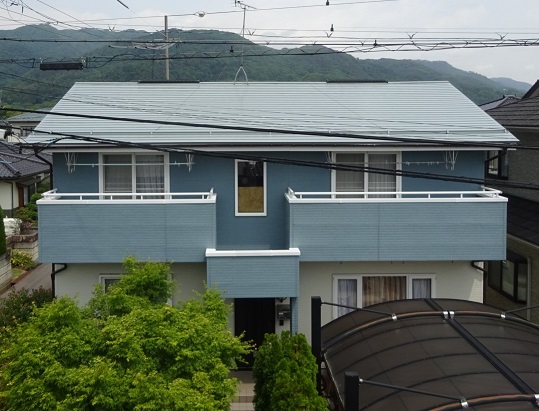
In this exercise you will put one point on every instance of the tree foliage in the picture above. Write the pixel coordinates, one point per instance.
(17, 307)
(285, 375)
(127, 350)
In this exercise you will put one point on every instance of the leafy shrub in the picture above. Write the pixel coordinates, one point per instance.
(28, 213)
(285, 375)
(3, 244)
(17, 306)
(22, 259)
(148, 356)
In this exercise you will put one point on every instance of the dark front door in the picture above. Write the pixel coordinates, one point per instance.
(254, 317)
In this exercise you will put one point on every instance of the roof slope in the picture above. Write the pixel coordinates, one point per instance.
(452, 348)
(28, 117)
(15, 164)
(267, 110)
(499, 102)
(523, 113)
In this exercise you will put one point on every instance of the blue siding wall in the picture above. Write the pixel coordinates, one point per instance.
(255, 277)
(85, 179)
(418, 231)
(110, 232)
(269, 232)
(469, 164)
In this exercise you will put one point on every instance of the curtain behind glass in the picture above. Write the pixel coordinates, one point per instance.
(383, 182)
(421, 288)
(150, 174)
(346, 295)
(379, 289)
(117, 173)
(349, 181)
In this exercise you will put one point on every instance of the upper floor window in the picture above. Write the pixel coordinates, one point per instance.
(133, 173)
(365, 290)
(365, 182)
(250, 188)
(497, 164)
(510, 277)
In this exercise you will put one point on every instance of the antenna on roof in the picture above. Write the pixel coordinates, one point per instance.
(244, 7)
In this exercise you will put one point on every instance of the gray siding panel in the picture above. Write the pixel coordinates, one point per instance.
(109, 232)
(255, 277)
(400, 231)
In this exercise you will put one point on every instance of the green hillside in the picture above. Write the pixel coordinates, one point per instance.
(218, 59)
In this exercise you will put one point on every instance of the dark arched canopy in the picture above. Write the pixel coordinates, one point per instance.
(466, 353)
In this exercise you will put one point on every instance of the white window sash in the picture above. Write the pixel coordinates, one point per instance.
(384, 182)
(359, 284)
(236, 192)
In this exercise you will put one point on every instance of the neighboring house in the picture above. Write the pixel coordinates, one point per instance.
(499, 102)
(514, 282)
(23, 124)
(20, 174)
(239, 192)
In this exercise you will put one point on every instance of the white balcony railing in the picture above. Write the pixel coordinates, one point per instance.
(485, 194)
(54, 197)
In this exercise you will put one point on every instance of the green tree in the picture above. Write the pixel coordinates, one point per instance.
(18, 306)
(127, 350)
(285, 374)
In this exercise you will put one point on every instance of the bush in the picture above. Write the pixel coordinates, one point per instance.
(28, 213)
(22, 259)
(18, 306)
(285, 375)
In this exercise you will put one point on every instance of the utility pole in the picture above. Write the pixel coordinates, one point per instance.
(167, 61)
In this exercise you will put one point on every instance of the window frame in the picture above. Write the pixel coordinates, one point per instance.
(518, 261)
(500, 158)
(104, 277)
(359, 285)
(166, 169)
(236, 191)
(398, 167)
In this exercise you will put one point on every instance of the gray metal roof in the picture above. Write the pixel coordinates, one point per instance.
(411, 110)
(499, 102)
(28, 117)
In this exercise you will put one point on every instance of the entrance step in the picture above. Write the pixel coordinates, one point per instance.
(245, 394)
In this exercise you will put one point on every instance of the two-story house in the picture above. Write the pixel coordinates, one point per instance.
(514, 282)
(274, 192)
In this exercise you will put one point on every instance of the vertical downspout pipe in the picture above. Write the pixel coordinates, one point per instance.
(53, 276)
(316, 338)
(36, 153)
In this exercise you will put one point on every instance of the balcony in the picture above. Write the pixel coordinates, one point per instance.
(398, 226)
(107, 227)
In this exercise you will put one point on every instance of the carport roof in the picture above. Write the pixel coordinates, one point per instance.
(458, 349)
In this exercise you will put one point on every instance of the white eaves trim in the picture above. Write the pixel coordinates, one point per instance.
(291, 252)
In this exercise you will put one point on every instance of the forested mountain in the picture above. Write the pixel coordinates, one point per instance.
(203, 55)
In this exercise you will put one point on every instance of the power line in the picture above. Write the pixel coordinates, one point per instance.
(39, 147)
(441, 142)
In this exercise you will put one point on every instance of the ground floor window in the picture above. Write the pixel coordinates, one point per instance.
(106, 280)
(365, 290)
(510, 277)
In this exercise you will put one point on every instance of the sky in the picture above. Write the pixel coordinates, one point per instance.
(286, 23)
